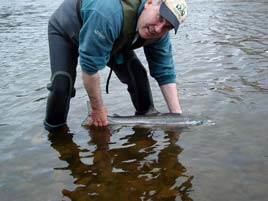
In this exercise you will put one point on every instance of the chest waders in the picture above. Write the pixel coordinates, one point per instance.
(63, 31)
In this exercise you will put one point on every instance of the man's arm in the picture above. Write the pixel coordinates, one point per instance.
(162, 68)
(99, 112)
(170, 94)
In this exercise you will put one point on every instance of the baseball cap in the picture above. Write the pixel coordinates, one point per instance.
(174, 11)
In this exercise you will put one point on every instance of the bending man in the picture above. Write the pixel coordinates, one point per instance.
(105, 33)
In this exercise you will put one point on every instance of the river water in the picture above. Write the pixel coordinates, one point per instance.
(221, 54)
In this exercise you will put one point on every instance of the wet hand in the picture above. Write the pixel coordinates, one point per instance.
(98, 117)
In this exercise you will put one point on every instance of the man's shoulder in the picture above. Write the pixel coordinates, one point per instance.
(103, 14)
(107, 7)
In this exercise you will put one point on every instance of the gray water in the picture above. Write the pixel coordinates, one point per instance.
(221, 54)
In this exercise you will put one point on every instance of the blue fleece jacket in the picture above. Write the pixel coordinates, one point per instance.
(102, 24)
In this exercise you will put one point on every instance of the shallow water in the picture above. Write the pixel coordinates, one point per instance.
(221, 53)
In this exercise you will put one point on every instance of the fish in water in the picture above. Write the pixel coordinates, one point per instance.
(158, 119)
(154, 120)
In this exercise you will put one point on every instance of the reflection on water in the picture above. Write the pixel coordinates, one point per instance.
(145, 167)
(221, 57)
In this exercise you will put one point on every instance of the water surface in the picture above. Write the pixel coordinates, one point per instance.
(221, 54)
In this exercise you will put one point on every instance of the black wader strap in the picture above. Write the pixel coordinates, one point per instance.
(108, 80)
(78, 7)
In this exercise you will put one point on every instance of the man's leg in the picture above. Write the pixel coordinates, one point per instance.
(63, 61)
(133, 73)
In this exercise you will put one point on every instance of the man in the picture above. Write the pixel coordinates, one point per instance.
(104, 33)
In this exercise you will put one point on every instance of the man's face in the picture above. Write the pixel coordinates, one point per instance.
(150, 22)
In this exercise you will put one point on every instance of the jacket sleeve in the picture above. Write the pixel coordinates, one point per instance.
(96, 40)
(160, 60)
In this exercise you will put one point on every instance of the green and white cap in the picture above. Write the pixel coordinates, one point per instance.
(174, 11)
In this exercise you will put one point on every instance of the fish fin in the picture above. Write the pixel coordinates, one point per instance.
(85, 122)
(116, 115)
(88, 108)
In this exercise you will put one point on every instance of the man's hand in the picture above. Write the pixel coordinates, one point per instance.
(98, 110)
(98, 117)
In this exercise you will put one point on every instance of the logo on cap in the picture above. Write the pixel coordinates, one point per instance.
(181, 8)
(174, 11)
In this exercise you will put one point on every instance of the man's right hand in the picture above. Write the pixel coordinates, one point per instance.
(98, 111)
(98, 117)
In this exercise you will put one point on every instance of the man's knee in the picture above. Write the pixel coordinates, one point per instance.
(62, 85)
(61, 90)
